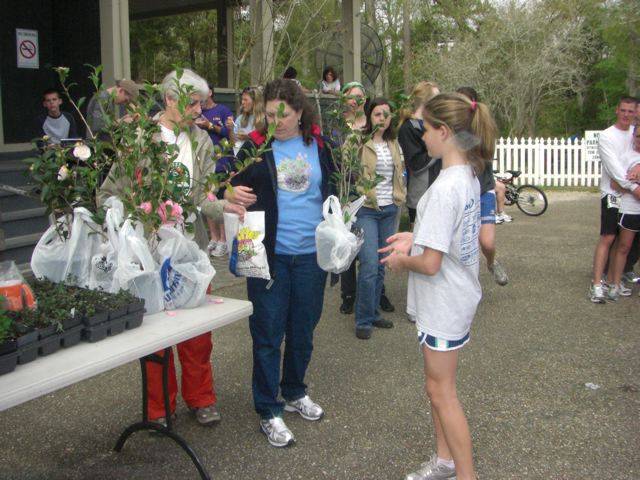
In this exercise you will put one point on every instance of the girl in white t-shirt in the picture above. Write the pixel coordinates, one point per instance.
(629, 219)
(442, 256)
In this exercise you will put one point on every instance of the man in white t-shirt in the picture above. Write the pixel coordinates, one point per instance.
(614, 142)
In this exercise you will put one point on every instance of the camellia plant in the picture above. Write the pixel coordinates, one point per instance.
(348, 176)
(69, 176)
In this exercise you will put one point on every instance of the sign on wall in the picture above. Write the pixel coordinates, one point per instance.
(28, 50)
(591, 145)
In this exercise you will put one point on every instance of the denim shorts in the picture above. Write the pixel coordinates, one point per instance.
(488, 207)
(440, 344)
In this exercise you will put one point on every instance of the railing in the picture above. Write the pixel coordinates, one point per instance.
(551, 161)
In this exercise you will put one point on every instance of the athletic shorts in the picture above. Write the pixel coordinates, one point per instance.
(630, 221)
(439, 344)
(608, 218)
(488, 207)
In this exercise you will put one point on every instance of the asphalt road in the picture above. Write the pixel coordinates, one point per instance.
(535, 344)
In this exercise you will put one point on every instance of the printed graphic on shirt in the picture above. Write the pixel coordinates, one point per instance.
(294, 175)
(180, 177)
(469, 245)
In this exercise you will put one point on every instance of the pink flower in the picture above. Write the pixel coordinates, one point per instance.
(170, 218)
(211, 197)
(145, 207)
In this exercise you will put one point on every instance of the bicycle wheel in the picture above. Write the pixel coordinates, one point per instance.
(531, 200)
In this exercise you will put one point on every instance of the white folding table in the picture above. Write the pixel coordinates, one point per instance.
(158, 332)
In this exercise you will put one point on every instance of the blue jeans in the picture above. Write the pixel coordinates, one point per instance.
(289, 310)
(377, 225)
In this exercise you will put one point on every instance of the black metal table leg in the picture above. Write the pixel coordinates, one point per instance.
(145, 424)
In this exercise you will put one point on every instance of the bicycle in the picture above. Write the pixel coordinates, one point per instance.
(530, 199)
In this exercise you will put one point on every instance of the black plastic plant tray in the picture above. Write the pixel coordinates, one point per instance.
(72, 336)
(96, 319)
(8, 362)
(117, 326)
(27, 339)
(136, 306)
(134, 320)
(95, 333)
(28, 353)
(118, 312)
(47, 331)
(50, 345)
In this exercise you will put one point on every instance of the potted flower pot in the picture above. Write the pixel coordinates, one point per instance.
(44, 332)
(71, 322)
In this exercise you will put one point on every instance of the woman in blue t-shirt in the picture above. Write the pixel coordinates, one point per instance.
(289, 185)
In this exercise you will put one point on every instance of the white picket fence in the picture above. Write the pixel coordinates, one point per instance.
(550, 162)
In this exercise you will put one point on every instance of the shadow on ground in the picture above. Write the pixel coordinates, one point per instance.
(535, 343)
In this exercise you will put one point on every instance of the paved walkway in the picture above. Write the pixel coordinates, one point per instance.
(535, 344)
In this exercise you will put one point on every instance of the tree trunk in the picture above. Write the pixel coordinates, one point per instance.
(406, 45)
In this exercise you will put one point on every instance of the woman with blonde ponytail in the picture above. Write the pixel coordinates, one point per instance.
(442, 256)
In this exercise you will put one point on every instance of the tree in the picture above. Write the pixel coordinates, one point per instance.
(518, 58)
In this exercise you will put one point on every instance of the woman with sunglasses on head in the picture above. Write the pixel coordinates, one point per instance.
(381, 156)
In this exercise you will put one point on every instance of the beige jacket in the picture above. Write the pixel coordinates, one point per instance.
(369, 160)
(203, 164)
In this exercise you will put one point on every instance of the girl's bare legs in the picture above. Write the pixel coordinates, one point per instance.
(625, 239)
(488, 242)
(450, 423)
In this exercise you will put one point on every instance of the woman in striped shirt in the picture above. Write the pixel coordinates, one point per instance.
(381, 158)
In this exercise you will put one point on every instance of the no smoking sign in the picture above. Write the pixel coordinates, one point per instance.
(27, 48)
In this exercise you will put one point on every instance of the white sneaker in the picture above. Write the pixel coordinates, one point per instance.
(277, 432)
(613, 293)
(596, 294)
(504, 218)
(307, 408)
(218, 249)
(430, 470)
(623, 291)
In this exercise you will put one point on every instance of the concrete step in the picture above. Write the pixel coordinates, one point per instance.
(22, 214)
(24, 226)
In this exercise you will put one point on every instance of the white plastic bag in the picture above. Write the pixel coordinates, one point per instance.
(68, 260)
(248, 257)
(336, 246)
(49, 258)
(136, 270)
(105, 261)
(185, 270)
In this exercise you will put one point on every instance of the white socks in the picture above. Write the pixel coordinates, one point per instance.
(447, 463)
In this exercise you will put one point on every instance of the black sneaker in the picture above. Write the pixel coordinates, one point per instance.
(386, 305)
(382, 323)
(347, 305)
(363, 333)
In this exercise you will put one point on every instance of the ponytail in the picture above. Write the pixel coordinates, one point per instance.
(471, 123)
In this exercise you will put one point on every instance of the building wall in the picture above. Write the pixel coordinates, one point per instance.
(68, 35)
